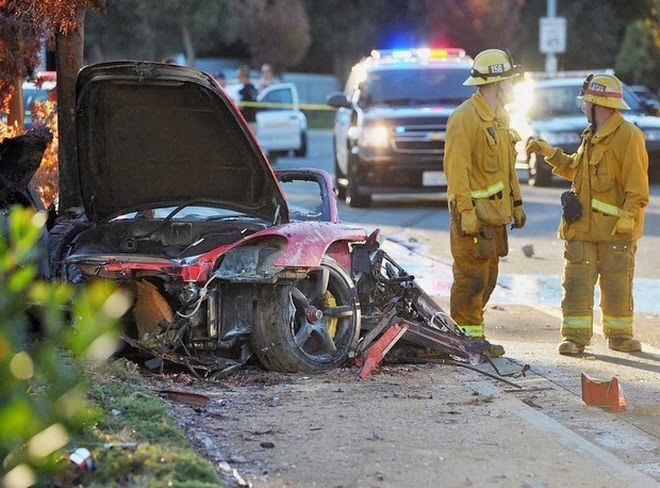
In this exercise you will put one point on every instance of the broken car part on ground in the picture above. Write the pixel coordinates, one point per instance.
(178, 204)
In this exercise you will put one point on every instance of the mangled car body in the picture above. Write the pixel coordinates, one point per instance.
(179, 205)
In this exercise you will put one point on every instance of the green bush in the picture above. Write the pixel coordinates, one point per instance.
(42, 393)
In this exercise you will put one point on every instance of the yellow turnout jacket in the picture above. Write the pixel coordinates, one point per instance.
(609, 172)
(480, 161)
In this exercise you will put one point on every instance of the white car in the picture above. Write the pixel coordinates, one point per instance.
(280, 127)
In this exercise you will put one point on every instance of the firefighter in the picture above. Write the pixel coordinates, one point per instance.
(483, 190)
(603, 217)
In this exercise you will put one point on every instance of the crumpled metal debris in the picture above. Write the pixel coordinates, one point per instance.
(394, 299)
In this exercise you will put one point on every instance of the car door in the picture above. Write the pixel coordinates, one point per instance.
(278, 120)
(309, 194)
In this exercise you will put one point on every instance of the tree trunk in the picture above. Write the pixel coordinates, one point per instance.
(69, 52)
(16, 115)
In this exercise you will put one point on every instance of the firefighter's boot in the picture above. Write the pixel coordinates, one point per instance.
(624, 345)
(570, 348)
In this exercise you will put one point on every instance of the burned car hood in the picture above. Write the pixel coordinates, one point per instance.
(156, 135)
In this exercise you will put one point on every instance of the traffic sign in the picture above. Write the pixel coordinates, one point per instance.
(552, 35)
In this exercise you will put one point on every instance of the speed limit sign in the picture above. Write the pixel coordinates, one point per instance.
(552, 35)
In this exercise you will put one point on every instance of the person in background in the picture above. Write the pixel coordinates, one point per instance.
(220, 78)
(483, 190)
(603, 217)
(267, 77)
(247, 93)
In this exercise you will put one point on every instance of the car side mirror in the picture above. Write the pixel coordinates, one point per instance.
(338, 100)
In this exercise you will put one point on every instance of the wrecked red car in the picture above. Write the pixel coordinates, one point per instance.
(179, 205)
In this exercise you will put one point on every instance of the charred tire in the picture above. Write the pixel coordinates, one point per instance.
(539, 171)
(59, 239)
(353, 196)
(310, 325)
(301, 152)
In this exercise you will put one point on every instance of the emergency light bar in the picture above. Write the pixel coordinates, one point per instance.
(423, 53)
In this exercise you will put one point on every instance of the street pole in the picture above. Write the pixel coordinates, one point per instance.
(551, 58)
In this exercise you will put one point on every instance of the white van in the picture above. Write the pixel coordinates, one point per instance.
(280, 127)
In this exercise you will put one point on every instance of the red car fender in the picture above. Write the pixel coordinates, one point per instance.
(308, 242)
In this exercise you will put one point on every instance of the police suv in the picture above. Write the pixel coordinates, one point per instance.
(389, 132)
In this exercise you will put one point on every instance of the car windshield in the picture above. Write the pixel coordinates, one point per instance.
(553, 101)
(415, 87)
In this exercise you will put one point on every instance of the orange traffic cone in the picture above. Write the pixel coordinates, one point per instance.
(606, 394)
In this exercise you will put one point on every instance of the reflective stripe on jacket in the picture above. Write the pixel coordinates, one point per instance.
(610, 176)
(480, 161)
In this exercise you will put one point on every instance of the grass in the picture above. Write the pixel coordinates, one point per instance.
(163, 456)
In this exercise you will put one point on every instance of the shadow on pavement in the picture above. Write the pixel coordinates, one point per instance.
(632, 363)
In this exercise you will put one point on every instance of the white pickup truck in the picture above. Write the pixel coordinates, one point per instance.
(279, 129)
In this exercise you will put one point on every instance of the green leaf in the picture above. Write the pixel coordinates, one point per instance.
(22, 279)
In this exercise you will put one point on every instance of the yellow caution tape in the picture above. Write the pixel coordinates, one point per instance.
(300, 106)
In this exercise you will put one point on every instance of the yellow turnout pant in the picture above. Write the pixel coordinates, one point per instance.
(475, 270)
(612, 264)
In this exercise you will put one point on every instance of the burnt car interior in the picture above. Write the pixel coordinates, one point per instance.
(169, 237)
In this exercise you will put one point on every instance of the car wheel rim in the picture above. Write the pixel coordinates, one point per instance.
(323, 315)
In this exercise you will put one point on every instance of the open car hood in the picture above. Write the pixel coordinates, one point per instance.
(155, 135)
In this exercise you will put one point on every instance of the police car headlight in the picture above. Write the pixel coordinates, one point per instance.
(561, 138)
(374, 136)
(652, 134)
